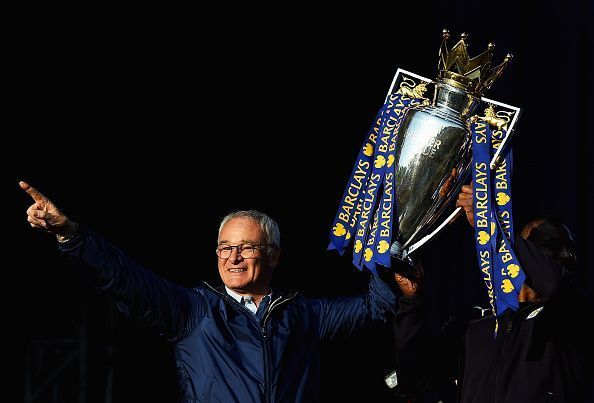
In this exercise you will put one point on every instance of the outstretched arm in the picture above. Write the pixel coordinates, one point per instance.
(147, 298)
(340, 317)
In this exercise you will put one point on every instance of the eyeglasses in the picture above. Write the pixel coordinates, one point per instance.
(245, 250)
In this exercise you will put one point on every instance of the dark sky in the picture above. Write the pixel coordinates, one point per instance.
(149, 128)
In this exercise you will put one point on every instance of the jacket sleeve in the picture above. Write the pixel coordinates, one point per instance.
(409, 343)
(343, 316)
(147, 298)
(426, 358)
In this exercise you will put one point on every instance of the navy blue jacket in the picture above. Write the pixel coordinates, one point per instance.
(542, 352)
(223, 352)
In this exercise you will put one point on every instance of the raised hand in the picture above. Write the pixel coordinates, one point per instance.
(44, 214)
(410, 281)
(465, 201)
(406, 285)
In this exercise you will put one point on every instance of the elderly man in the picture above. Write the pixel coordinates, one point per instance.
(240, 342)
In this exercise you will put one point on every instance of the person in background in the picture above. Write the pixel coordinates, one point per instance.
(541, 353)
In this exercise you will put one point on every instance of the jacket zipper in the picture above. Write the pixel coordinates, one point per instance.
(273, 304)
(499, 359)
(265, 339)
(508, 330)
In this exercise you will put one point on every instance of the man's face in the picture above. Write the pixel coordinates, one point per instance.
(557, 240)
(251, 275)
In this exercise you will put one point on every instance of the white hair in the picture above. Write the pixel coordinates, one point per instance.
(268, 225)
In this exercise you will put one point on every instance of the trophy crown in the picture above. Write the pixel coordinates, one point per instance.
(459, 70)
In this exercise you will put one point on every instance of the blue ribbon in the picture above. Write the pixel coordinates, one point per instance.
(387, 218)
(360, 215)
(349, 210)
(483, 230)
(493, 220)
(383, 169)
(509, 274)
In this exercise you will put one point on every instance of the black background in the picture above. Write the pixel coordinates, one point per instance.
(149, 125)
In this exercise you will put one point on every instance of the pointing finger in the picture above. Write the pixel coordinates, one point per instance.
(34, 193)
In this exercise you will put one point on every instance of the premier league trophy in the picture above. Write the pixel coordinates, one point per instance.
(414, 160)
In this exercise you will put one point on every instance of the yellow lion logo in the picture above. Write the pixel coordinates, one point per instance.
(409, 89)
(494, 120)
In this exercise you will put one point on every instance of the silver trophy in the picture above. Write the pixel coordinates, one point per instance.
(434, 150)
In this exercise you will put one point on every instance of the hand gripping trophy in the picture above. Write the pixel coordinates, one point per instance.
(414, 160)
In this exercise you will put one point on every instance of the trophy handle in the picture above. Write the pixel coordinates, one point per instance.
(422, 241)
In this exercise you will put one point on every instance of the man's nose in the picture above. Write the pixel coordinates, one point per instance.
(566, 256)
(235, 254)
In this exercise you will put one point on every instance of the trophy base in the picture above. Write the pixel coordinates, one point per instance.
(404, 265)
(398, 252)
